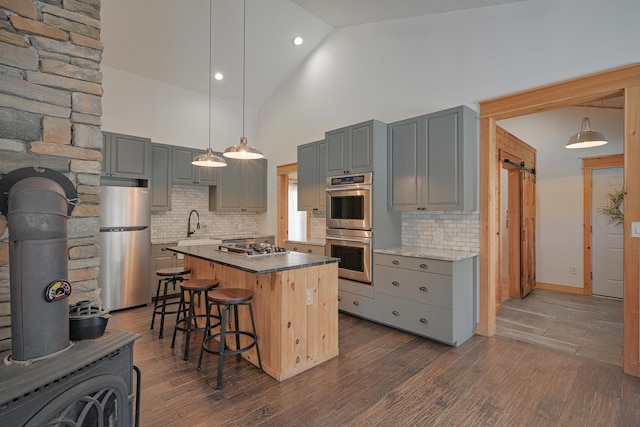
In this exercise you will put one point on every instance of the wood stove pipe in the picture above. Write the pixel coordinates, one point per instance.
(38, 262)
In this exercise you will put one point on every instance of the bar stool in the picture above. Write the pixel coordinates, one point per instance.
(169, 275)
(229, 299)
(187, 319)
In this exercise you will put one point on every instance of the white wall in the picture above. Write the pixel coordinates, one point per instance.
(398, 69)
(169, 114)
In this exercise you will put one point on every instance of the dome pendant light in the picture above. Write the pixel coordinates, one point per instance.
(209, 159)
(586, 138)
(243, 151)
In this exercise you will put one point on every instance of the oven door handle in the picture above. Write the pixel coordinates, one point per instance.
(363, 241)
(349, 187)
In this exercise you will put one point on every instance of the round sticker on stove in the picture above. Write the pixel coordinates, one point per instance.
(57, 290)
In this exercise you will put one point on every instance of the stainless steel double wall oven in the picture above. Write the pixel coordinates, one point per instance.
(349, 227)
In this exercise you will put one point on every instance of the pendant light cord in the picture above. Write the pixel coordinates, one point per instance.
(209, 76)
(244, 25)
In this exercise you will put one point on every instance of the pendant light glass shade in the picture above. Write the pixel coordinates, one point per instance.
(209, 159)
(243, 151)
(586, 138)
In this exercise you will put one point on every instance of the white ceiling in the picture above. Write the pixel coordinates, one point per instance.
(168, 40)
(341, 13)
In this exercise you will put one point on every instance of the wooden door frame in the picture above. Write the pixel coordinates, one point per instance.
(622, 81)
(283, 172)
(588, 165)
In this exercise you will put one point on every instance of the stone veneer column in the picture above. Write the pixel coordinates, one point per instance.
(50, 109)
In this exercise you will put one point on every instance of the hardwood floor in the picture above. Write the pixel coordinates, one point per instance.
(583, 325)
(384, 377)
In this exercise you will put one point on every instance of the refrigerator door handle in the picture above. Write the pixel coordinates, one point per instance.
(121, 229)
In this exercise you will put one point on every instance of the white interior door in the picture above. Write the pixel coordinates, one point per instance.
(606, 239)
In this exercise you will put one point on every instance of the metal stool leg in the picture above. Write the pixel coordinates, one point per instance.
(181, 309)
(155, 304)
(255, 336)
(223, 341)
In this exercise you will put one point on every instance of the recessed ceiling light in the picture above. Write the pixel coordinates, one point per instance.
(298, 40)
(218, 76)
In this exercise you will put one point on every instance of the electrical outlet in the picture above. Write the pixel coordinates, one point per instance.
(572, 269)
(309, 296)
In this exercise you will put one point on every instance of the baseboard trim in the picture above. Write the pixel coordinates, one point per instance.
(560, 288)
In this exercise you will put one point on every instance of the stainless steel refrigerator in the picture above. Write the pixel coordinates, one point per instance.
(125, 246)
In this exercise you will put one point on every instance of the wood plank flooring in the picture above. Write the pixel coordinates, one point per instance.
(583, 325)
(383, 377)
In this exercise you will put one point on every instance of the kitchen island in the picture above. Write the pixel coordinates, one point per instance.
(295, 303)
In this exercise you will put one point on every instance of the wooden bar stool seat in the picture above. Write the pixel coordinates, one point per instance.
(229, 299)
(187, 319)
(173, 276)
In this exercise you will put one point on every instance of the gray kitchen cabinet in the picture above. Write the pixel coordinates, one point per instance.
(242, 186)
(351, 149)
(356, 298)
(305, 248)
(312, 172)
(184, 173)
(160, 182)
(428, 297)
(433, 161)
(125, 156)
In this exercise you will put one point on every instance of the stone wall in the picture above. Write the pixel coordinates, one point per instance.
(50, 109)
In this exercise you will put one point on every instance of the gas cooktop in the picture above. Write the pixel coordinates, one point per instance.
(252, 249)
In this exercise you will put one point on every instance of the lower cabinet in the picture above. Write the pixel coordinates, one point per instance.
(304, 248)
(428, 297)
(356, 298)
(162, 259)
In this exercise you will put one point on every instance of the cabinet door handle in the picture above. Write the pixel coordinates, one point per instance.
(423, 320)
(309, 250)
(424, 266)
(394, 283)
(356, 303)
(295, 248)
(396, 313)
(339, 298)
(395, 262)
(424, 289)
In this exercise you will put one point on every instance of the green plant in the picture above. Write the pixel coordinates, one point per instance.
(614, 209)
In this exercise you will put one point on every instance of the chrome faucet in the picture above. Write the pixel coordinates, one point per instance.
(189, 232)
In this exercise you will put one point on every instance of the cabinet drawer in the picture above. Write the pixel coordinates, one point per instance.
(422, 319)
(355, 304)
(430, 288)
(411, 263)
(304, 248)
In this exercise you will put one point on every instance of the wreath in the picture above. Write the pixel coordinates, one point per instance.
(615, 207)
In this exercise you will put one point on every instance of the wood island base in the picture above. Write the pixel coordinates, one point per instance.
(296, 313)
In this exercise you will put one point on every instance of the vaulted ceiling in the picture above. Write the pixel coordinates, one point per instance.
(168, 40)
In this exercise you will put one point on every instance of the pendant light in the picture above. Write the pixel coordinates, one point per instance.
(243, 151)
(209, 159)
(586, 138)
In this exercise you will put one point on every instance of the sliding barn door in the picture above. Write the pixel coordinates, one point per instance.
(527, 232)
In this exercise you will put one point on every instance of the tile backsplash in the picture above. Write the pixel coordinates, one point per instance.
(456, 230)
(168, 226)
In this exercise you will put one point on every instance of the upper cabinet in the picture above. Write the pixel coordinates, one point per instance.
(160, 182)
(350, 149)
(242, 186)
(183, 172)
(432, 161)
(125, 156)
(312, 166)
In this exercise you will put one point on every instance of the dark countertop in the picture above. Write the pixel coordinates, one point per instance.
(261, 264)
